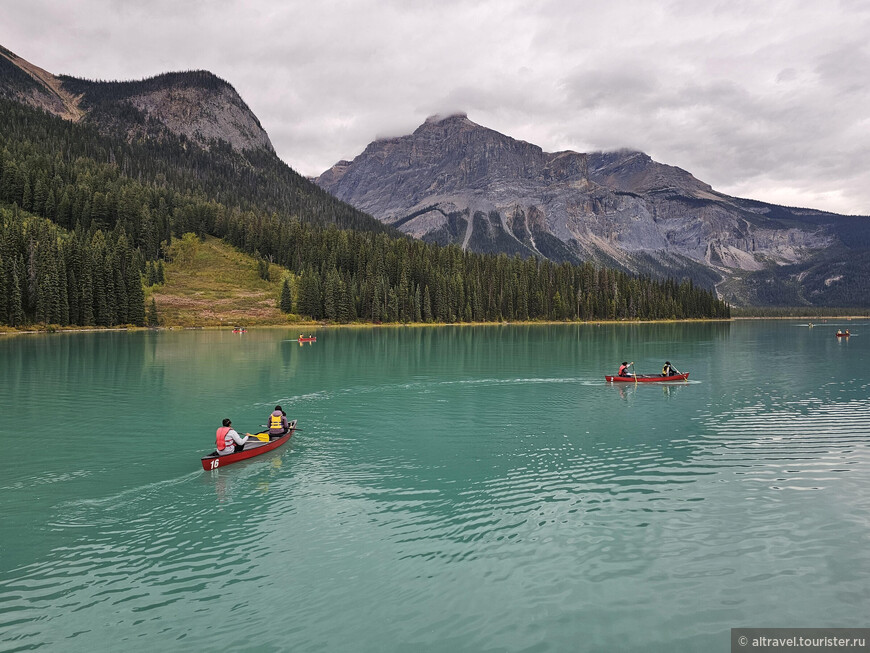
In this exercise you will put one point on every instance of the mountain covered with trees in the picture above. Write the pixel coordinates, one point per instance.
(96, 185)
(453, 181)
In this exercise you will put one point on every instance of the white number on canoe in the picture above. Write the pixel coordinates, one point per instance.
(215, 463)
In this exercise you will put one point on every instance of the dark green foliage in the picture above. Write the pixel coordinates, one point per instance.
(135, 296)
(98, 172)
(51, 276)
(120, 203)
(378, 277)
(152, 319)
(16, 79)
(798, 311)
(286, 302)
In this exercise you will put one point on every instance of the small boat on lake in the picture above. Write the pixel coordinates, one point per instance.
(843, 334)
(647, 378)
(252, 448)
(240, 330)
(307, 339)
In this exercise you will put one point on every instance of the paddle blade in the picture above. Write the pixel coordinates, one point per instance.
(262, 437)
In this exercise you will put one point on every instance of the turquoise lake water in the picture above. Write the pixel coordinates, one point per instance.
(451, 488)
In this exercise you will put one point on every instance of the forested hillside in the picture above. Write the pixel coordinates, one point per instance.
(84, 213)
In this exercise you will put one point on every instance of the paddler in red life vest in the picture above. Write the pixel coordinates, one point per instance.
(623, 369)
(227, 441)
(278, 423)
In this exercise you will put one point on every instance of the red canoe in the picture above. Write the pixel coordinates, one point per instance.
(646, 378)
(307, 339)
(253, 447)
(840, 334)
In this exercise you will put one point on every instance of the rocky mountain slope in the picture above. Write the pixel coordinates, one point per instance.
(454, 181)
(188, 130)
(196, 105)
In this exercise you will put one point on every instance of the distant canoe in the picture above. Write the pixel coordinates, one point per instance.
(647, 378)
(843, 334)
(311, 339)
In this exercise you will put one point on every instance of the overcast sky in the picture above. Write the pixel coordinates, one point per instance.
(768, 100)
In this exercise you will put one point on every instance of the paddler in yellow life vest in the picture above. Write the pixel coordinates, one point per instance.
(277, 422)
(667, 370)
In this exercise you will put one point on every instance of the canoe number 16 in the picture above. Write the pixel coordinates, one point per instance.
(215, 463)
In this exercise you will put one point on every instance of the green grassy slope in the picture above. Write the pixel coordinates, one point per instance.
(219, 286)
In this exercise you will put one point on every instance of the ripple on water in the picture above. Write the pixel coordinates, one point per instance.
(488, 536)
(803, 445)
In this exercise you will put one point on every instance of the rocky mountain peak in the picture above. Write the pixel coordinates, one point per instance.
(454, 181)
(636, 172)
(436, 118)
(195, 104)
(23, 82)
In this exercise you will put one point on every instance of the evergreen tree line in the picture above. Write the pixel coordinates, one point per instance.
(86, 185)
(350, 275)
(51, 276)
(97, 92)
(252, 180)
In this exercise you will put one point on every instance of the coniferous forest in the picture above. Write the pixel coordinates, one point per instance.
(86, 217)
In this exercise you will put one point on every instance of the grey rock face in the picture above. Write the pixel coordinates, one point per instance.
(204, 114)
(197, 105)
(455, 181)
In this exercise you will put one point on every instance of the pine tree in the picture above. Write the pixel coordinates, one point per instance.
(5, 280)
(86, 283)
(152, 318)
(135, 297)
(427, 305)
(331, 295)
(151, 276)
(286, 302)
(16, 304)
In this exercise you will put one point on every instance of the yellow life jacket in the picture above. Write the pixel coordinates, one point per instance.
(275, 423)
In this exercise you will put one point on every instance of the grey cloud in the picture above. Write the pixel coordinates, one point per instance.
(769, 99)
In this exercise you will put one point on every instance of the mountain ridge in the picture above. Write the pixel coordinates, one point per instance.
(454, 181)
(197, 105)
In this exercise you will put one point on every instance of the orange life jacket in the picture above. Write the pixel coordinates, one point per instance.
(220, 440)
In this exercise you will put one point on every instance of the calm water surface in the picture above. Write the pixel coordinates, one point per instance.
(452, 489)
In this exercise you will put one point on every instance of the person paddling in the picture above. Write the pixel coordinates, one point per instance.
(668, 370)
(278, 424)
(623, 369)
(227, 441)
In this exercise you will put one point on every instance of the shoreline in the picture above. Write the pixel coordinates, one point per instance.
(307, 326)
(310, 325)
